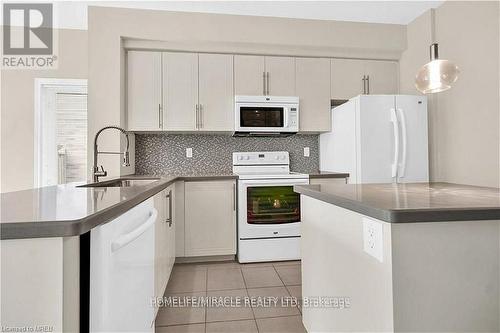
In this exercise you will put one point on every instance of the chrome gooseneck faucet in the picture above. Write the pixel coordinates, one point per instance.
(126, 162)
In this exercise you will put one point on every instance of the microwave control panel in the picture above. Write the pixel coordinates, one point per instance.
(293, 116)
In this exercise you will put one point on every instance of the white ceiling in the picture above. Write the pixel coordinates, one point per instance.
(73, 14)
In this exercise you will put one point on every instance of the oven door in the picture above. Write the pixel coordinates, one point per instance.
(269, 208)
(261, 117)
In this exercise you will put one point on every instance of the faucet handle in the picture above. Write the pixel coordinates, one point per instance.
(100, 173)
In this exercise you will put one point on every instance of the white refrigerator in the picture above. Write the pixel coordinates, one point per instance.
(378, 139)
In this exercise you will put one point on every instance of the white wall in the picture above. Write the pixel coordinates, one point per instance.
(464, 121)
(17, 108)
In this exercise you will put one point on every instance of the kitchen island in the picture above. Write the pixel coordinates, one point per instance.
(400, 257)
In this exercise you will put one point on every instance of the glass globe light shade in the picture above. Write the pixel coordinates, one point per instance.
(436, 76)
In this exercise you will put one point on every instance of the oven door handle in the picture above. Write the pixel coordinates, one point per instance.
(273, 182)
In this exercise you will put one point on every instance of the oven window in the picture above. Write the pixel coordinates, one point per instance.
(272, 205)
(261, 117)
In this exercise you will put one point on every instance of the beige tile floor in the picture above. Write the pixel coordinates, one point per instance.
(233, 281)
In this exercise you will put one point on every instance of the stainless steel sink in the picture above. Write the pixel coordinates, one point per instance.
(123, 182)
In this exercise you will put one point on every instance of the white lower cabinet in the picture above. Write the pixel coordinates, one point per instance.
(210, 218)
(164, 239)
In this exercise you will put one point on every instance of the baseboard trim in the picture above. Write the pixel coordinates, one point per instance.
(189, 260)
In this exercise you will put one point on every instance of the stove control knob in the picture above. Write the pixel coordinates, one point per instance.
(240, 157)
(247, 157)
(283, 157)
(277, 157)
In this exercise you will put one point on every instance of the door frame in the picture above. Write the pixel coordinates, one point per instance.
(40, 84)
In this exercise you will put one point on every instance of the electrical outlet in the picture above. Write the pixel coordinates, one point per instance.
(306, 152)
(189, 152)
(373, 238)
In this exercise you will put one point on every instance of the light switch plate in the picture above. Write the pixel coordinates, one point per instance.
(189, 152)
(373, 238)
(307, 152)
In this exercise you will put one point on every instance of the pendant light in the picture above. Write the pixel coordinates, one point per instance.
(438, 74)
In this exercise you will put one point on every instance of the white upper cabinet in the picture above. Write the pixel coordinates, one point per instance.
(180, 91)
(191, 92)
(313, 89)
(249, 75)
(352, 77)
(216, 92)
(347, 78)
(382, 77)
(280, 76)
(144, 91)
(264, 75)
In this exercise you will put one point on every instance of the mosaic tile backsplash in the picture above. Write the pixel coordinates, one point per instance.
(158, 154)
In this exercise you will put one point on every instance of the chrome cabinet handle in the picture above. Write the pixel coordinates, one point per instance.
(368, 84)
(160, 125)
(169, 219)
(197, 108)
(267, 83)
(364, 84)
(201, 116)
(263, 83)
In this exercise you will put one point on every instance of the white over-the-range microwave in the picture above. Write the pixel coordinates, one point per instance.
(266, 115)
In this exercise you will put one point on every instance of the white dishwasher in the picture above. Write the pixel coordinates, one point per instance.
(122, 272)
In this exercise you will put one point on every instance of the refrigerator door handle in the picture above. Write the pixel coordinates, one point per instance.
(395, 126)
(404, 141)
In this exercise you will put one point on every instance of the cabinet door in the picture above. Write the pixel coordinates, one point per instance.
(383, 77)
(160, 242)
(280, 80)
(143, 90)
(249, 75)
(210, 218)
(180, 90)
(216, 92)
(313, 89)
(170, 231)
(347, 78)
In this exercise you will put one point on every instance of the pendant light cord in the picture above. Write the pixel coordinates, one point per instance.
(433, 25)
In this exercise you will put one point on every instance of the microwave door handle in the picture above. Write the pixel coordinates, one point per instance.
(286, 111)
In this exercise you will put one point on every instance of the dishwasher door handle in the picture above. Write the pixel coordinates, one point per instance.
(134, 234)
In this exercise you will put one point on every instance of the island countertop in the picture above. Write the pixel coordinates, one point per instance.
(414, 202)
(70, 210)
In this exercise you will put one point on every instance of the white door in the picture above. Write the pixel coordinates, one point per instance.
(216, 92)
(60, 131)
(161, 242)
(170, 226)
(313, 89)
(414, 155)
(249, 75)
(180, 90)
(347, 78)
(376, 139)
(144, 90)
(210, 218)
(382, 77)
(280, 76)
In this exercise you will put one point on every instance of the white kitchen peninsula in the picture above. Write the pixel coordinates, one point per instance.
(408, 257)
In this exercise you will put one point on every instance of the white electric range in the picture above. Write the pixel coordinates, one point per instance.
(268, 208)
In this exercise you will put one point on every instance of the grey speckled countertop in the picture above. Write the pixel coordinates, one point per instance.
(69, 210)
(416, 202)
